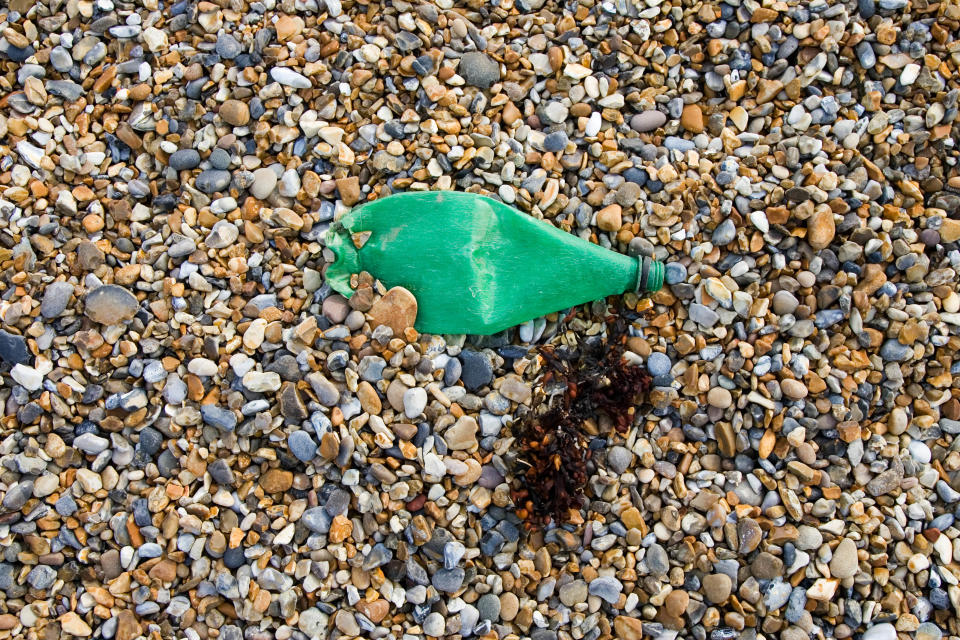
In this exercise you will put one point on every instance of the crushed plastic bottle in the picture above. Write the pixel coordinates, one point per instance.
(476, 265)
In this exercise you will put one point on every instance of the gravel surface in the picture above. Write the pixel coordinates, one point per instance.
(201, 440)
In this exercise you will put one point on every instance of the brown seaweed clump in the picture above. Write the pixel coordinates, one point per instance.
(552, 462)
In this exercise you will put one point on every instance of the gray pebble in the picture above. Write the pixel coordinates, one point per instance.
(606, 588)
(478, 69)
(658, 364)
(218, 417)
(212, 180)
(302, 446)
(56, 297)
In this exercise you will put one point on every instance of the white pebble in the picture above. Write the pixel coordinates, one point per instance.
(27, 377)
(414, 402)
(919, 451)
(593, 125)
(883, 631)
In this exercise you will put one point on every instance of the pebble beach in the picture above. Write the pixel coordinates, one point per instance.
(202, 440)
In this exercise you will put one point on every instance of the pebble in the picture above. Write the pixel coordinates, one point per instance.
(213, 180)
(290, 78)
(719, 397)
(555, 141)
(235, 112)
(883, 631)
(844, 562)
(648, 121)
(477, 371)
(110, 304)
(619, 459)
(448, 580)
(606, 588)
(56, 297)
(13, 348)
(434, 625)
(397, 310)
(302, 445)
(264, 182)
(414, 402)
(717, 587)
(488, 607)
(478, 69)
(574, 593)
(184, 159)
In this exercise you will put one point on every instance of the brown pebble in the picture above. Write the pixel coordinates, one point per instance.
(397, 309)
(276, 480)
(288, 27)
(349, 189)
(691, 118)
(235, 112)
(676, 602)
(610, 218)
(821, 228)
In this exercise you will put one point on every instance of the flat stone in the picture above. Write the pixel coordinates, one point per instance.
(184, 159)
(397, 309)
(648, 121)
(213, 180)
(56, 297)
(110, 304)
(477, 372)
(478, 69)
(302, 445)
(235, 112)
(276, 480)
(13, 348)
(717, 587)
(462, 435)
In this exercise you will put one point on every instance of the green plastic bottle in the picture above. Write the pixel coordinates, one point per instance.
(476, 265)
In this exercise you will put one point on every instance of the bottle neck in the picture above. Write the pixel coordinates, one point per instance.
(649, 275)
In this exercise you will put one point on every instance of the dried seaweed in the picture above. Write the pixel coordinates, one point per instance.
(553, 455)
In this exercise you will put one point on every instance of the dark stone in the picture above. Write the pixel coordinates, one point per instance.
(234, 558)
(150, 441)
(228, 47)
(218, 417)
(13, 348)
(477, 370)
(478, 69)
(184, 159)
(555, 141)
(212, 180)
(220, 472)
